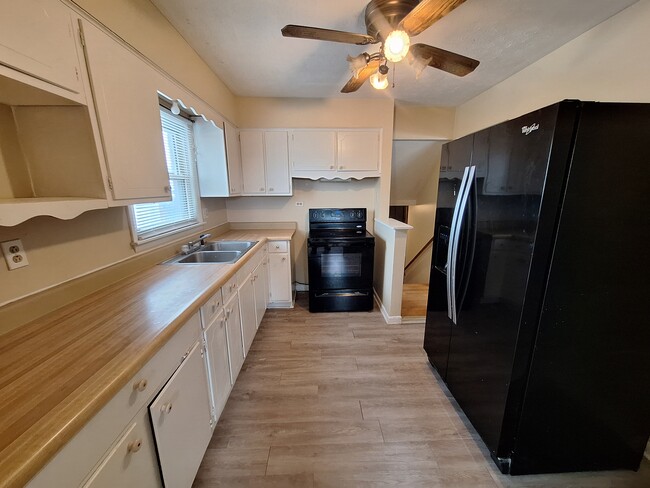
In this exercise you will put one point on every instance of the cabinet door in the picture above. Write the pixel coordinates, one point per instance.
(38, 38)
(219, 365)
(247, 307)
(313, 150)
(276, 147)
(279, 277)
(126, 99)
(235, 344)
(211, 163)
(132, 462)
(460, 154)
(233, 154)
(180, 416)
(358, 150)
(260, 285)
(252, 162)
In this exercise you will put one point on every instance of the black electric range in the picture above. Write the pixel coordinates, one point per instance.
(340, 259)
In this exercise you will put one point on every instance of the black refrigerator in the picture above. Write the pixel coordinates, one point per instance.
(537, 317)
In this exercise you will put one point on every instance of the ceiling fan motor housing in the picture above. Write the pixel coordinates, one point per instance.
(383, 16)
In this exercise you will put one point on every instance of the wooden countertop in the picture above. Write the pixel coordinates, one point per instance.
(58, 371)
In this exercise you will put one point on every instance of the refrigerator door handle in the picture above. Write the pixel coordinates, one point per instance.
(463, 197)
(453, 245)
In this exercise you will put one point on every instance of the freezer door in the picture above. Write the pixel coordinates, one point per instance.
(496, 241)
(438, 324)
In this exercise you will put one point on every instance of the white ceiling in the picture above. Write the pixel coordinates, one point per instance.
(241, 41)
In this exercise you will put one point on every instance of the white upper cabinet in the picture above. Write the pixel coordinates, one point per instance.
(358, 150)
(276, 146)
(233, 156)
(331, 153)
(313, 150)
(252, 162)
(211, 163)
(218, 159)
(127, 104)
(265, 162)
(37, 37)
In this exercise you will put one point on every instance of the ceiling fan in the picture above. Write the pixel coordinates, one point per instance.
(392, 23)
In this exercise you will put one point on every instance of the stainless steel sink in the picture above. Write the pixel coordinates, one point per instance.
(211, 257)
(223, 252)
(242, 246)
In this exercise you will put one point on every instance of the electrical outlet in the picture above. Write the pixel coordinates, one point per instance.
(299, 204)
(14, 254)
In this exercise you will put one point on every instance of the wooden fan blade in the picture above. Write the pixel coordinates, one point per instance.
(355, 83)
(453, 63)
(426, 13)
(305, 32)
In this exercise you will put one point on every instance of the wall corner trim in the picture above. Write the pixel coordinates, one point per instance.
(389, 319)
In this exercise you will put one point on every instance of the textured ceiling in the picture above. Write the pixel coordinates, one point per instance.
(241, 41)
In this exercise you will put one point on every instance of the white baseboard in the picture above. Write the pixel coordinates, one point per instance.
(301, 287)
(389, 319)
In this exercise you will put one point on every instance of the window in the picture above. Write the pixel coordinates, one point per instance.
(152, 220)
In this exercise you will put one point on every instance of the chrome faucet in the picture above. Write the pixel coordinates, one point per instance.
(192, 246)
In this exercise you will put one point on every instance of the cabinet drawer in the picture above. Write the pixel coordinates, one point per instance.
(278, 246)
(132, 462)
(211, 308)
(230, 288)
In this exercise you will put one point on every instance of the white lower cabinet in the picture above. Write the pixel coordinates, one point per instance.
(280, 283)
(234, 335)
(180, 416)
(248, 311)
(132, 462)
(216, 344)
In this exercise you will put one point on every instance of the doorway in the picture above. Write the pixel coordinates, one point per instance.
(414, 185)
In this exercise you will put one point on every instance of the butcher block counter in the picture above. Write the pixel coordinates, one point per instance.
(58, 371)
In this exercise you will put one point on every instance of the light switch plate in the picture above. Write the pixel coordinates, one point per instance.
(14, 254)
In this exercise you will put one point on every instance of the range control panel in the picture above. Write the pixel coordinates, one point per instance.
(334, 215)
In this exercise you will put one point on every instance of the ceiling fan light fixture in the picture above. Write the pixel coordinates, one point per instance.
(379, 79)
(396, 46)
(357, 63)
(419, 63)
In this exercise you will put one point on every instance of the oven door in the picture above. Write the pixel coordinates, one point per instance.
(340, 264)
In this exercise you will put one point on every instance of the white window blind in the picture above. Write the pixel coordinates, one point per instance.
(156, 219)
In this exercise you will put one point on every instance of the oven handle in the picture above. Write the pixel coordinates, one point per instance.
(342, 294)
(330, 244)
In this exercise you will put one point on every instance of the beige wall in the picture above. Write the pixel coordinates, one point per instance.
(423, 122)
(59, 250)
(606, 63)
(371, 193)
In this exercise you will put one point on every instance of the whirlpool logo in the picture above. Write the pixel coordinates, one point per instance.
(527, 129)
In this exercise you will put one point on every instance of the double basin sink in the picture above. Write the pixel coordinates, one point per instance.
(223, 252)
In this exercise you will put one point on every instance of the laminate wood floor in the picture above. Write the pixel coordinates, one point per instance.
(414, 299)
(344, 400)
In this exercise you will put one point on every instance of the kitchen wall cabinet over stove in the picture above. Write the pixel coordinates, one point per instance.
(265, 162)
(335, 153)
